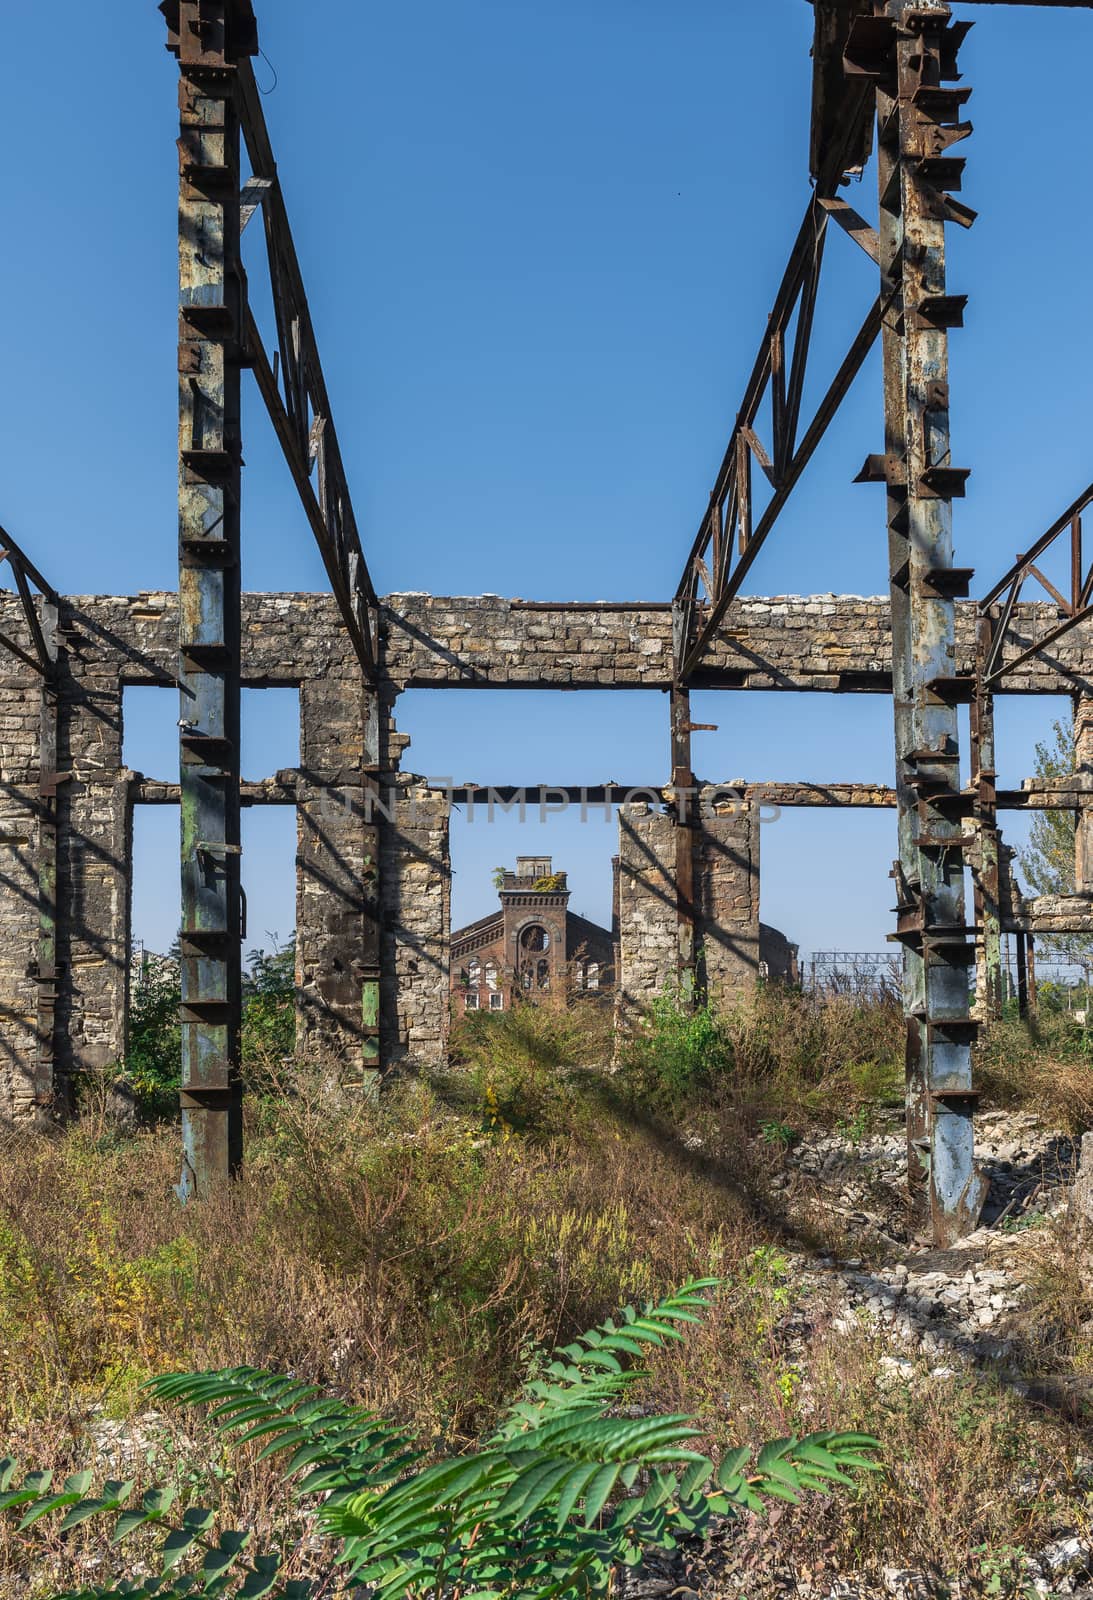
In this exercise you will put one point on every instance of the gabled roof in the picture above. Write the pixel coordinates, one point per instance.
(474, 929)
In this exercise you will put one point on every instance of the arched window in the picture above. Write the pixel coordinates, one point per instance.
(533, 942)
(593, 975)
(491, 974)
(474, 971)
(579, 975)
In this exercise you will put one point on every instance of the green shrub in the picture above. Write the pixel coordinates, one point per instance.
(678, 1051)
(568, 1486)
(527, 1068)
(153, 1057)
(773, 1055)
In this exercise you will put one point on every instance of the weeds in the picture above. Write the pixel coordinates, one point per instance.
(777, 1057)
(1041, 1063)
(416, 1256)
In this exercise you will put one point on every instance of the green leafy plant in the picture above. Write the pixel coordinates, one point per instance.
(153, 1057)
(855, 1128)
(571, 1484)
(679, 1050)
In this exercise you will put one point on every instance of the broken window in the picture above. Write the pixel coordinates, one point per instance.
(470, 1002)
(497, 1002)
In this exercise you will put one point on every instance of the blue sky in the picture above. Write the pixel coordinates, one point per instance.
(540, 243)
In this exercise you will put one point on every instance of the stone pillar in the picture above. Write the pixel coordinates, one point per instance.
(1083, 768)
(726, 892)
(18, 888)
(335, 880)
(94, 876)
(415, 877)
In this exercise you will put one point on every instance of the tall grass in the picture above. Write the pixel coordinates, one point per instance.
(777, 1053)
(1042, 1063)
(414, 1254)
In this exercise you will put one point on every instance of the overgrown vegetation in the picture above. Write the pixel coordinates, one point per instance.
(1042, 1063)
(153, 1061)
(779, 1055)
(418, 1256)
(563, 1490)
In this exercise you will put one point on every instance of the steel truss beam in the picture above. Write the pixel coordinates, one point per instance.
(294, 390)
(732, 531)
(295, 394)
(730, 534)
(1076, 609)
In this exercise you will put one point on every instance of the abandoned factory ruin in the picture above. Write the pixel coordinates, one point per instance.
(379, 970)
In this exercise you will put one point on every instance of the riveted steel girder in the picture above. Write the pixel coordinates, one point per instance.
(208, 37)
(914, 51)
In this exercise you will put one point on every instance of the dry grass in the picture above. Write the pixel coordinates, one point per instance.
(412, 1255)
(1043, 1064)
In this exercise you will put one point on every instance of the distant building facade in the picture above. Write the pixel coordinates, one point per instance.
(778, 957)
(532, 946)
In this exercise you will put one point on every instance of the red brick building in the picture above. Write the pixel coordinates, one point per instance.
(532, 945)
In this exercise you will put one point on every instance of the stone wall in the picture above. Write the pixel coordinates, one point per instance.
(726, 886)
(110, 643)
(416, 874)
(836, 643)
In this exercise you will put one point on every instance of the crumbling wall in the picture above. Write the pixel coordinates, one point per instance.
(726, 892)
(94, 868)
(727, 898)
(838, 643)
(18, 886)
(416, 879)
(648, 941)
(109, 642)
(336, 884)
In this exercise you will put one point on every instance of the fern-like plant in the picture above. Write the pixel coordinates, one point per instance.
(569, 1486)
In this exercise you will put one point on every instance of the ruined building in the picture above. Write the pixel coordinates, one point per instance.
(373, 877)
(531, 946)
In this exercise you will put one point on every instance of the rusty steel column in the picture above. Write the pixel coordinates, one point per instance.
(208, 36)
(45, 1088)
(1022, 974)
(686, 801)
(986, 883)
(918, 119)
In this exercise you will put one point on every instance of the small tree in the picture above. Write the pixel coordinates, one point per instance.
(1047, 861)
